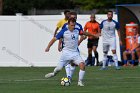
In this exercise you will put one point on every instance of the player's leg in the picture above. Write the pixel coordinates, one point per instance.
(59, 67)
(96, 54)
(72, 69)
(133, 58)
(105, 51)
(95, 45)
(125, 54)
(89, 46)
(138, 54)
(81, 74)
(67, 69)
(79, 61)
(113, 49)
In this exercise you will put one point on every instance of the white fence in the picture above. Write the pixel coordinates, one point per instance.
(23, 40)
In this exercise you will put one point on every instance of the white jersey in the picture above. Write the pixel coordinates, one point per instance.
(108, 30)
(139, 40)
(70, 39)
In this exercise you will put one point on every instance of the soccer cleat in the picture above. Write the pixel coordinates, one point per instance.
(103, 68)
(117, 68)
(70, 79)
(49, 75)
(80, 83)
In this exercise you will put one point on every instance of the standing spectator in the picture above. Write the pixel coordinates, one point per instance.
(108, 27)
(92, 27)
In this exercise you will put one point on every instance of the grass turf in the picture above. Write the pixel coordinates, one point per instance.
(31, 80)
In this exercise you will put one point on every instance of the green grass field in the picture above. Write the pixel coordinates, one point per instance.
(31, 80)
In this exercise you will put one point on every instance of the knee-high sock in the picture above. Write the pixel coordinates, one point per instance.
(115, 58)
(90, 59)
(72, 68)
(81, 75)
(124, 62)
(96, 56)
(67, 68)
(133, 62)
(104, 60)
(57, 69)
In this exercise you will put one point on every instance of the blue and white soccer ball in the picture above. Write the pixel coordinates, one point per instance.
(65, 81)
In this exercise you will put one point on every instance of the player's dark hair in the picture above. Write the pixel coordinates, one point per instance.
(66, 11)
(109, 11)
(73, 13)
(73, 20)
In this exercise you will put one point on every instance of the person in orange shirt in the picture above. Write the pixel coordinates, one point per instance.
(132, 48)
(92, 27)
(138, 50)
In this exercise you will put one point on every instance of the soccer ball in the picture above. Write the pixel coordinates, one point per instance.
(65, 81)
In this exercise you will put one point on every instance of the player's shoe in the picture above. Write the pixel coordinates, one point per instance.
(103, 68)
(80, 83)
(70, 79)
(117, 68)
(49, 75)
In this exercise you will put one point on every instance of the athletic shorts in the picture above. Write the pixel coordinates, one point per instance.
(68, 56)
(92, 42)
(109, 45)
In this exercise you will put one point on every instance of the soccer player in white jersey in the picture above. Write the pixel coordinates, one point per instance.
(70, 52)
(108, 28)
(70, 68)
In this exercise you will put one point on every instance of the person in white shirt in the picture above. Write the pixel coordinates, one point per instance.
(70, 52)
(108, 28)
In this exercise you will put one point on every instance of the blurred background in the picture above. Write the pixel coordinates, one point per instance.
(55, 7)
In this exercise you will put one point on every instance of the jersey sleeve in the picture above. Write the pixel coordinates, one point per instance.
(80, 30)
(101, 25)
(117, 26)
(60, 34)
(64, 26)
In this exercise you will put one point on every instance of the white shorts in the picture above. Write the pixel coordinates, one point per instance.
(68, 56)
(109, 45)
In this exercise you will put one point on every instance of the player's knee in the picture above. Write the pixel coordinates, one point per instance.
(57, 69)
(114, 51)
(82, 66)
(115, 57)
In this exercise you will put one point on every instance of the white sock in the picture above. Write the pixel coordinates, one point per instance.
(72, 68)
(104, 60)
(81, 74)
(57, 69)
(67, 68)
(115, 58)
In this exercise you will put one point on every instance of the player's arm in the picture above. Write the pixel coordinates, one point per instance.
(57, 28)
(55, 32)
(82, 37)
(50, 44)
(118, 31)
(89, 34)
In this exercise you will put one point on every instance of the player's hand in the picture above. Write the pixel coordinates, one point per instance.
(60, 48)
(121, 43)
(47, 49)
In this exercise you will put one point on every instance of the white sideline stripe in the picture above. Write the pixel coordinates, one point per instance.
(26, 80)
